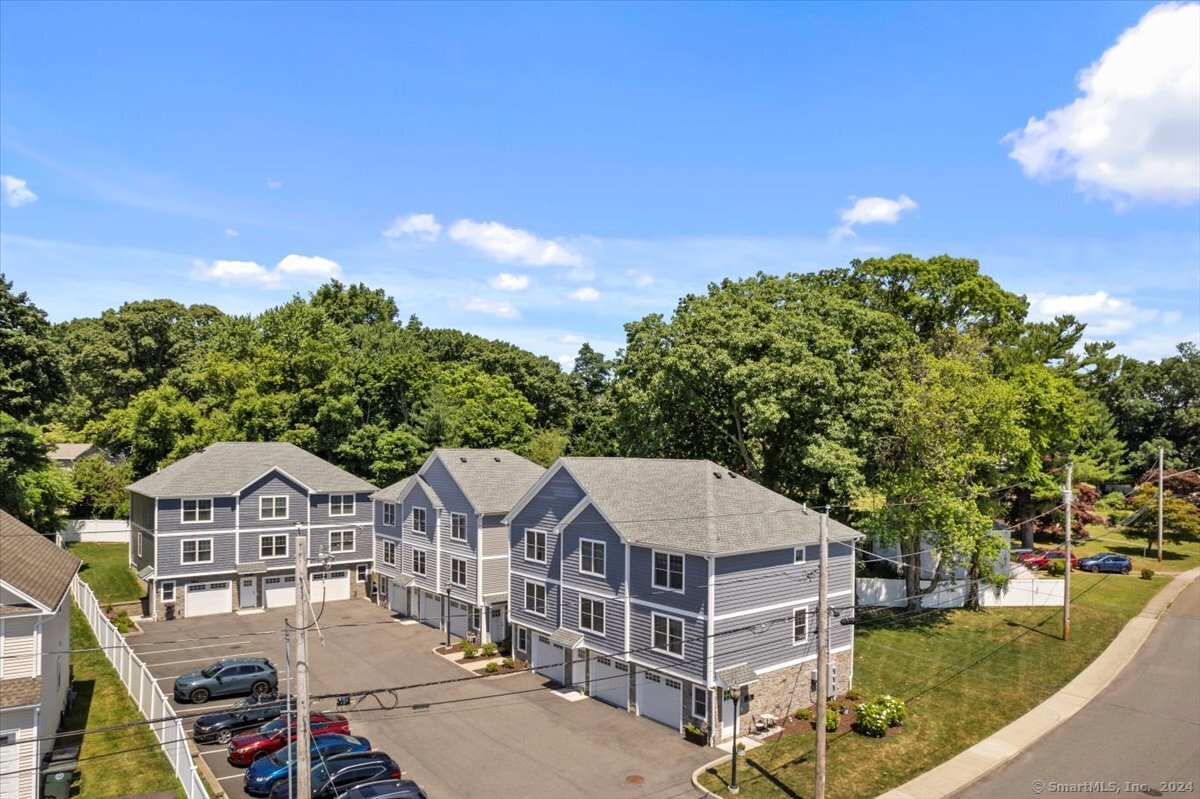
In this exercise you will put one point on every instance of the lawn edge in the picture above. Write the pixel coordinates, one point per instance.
(976, 762)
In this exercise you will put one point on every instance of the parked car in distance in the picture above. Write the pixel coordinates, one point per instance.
(228, 677)
(274, 735)
(1106, 562)
(266, 771)
(333, 776)
(386, 789)
(1033, 554)
(253, 711)
(1043, 560)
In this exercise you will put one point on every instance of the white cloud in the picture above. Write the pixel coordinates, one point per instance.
(274, 184)
(231, 233)
(1133, 133)
(571, 338)
(16, 192)
(423, 227)
(566, 361)
(310, 265)
(640, 279)
(506, 281)
(585, 294)
(236, 272)
(512, 245)
(870, 211)
(1104, 314)
(501, 308)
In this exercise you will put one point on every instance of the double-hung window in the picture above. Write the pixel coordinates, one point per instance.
(799, 557)
(196, 510)
(458, 526)
(418, 556)
(535, 598)
(535, 545)
(360, 572)
(196, 550)
(168, 591)
(591, 615)
(800, 625)
(389, 514)
(341, 540)
(418, 520)
(458, 571)
(273, 546)
(389, 552)
(668, 634)
(668, 571)
(272, 507)
(699, 702)
(591, 557)
(341, 504)
(522, 639)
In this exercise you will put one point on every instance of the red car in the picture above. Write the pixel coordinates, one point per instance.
(276, 734)
(1042, 559)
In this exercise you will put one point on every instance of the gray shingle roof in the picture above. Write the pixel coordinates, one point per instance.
(737, 676)
(20, 692)
(224, 468)
(70, 451)
(695, 505)
(492, 479)
(32, 564)
(393, 492)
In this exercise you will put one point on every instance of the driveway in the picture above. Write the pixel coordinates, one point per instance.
(509, 736)
(1138, 737)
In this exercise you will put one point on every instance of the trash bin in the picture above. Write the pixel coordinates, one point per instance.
(59, 772)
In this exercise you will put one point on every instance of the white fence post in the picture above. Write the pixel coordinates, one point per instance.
(149, 698)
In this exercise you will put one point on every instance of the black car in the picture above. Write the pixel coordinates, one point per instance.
(335, 775)
(253, 711)
(386, 789)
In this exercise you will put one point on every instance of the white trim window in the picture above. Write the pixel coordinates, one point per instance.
(361, 571)
(419, 522)
(168, 591)
(341, 504)
(591, 557)
(196, 511)
(799, 626)
(458, 526)
(668, 571)
(389, 514)
(522, 639)
(195, 550)
(138, 533)
(341, 540)
(274, 545)
(800, 556)
(535, 598)
(458, 571)
(418, 557)
(389, 552)
(666, 634)
(535, 545)
(272, 507)
(591, 615)
(699, 702)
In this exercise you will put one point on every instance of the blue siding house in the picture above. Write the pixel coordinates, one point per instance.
(216, 531)
(441, 547)
(644, 582)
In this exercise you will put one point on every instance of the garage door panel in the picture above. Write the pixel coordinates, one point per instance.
(398, 599)
(279, 591)
(207, 599)
(431, 610)
(610, 681)
(460, 618)
(660, 698)
(548, 659)
(330, 586)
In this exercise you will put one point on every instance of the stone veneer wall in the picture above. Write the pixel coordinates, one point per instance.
(783, 691)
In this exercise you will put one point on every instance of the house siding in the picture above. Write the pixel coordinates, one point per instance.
(613, 639)
(141, 510)
(319, 508)
(446, 489)
(495, 536)
(693, 600)
(20, 647)
(170, 511)
(224, 551)
(272, 484)
(147, 556)
(691, 665)
(591, 525)
(392, 570)
(756, 579)
(765, 638)
(544, 511)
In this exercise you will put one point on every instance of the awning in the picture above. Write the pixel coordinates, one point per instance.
(495, 599)
(146, 573)
(253, 567)
(736, 676)
(404, 580)
(566, 638)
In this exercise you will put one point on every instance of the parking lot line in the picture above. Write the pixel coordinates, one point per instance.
(193, 660)
(237, 776)
(224, 644)
(211, 751)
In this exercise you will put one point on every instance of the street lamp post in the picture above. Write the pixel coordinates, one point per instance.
(449, 588)
(736, 695)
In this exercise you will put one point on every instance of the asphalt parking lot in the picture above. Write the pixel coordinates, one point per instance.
(509, 736)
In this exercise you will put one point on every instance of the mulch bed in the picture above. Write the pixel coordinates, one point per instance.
(794, 726)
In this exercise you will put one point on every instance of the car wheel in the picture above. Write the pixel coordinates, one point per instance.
(1093, 569)
(199, 696)
(261, 687)
(259, 755)
(1125, 570)
(224, 736)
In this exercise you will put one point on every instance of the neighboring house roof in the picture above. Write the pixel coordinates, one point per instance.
(492, 479)
(20, 692)
(393, 492)
(72, 452)
(225, 468)
(694, 506)
(32, 565)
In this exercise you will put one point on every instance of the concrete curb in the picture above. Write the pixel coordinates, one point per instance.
(696, 776)
(997, 749)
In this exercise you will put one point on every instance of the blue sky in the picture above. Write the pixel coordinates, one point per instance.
(545, 173)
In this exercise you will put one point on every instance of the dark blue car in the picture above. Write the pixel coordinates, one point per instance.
(1106, 562)
(266, 771)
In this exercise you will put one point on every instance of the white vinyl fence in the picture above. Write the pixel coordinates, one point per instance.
(100, 531)
(1021, 592)
(145, 691)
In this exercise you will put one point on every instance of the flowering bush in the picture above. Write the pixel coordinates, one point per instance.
(876, 716)
(803, 713)
(832, 720)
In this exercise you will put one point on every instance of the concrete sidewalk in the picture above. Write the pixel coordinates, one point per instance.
(960, 771)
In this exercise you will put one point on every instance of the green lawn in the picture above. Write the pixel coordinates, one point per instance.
(1176, 557)
(964, 675)
(106, 570)
(101, 700)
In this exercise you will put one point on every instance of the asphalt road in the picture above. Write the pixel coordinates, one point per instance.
(1140, 737)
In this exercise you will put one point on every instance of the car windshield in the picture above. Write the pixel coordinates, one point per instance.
(285, 755)
(247, 702)
(319, 775)
(210, 671)
(272, 726)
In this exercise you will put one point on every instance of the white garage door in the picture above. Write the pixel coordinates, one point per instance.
(205, 599)
(398, 598)
(460, 618)
(548, 659)
(610, 681)
(431, 609)
(10, 765)
(279, 591)
(660, 698)
(330, 586)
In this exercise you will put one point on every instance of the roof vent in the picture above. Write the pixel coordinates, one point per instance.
(461, 458)
(496, 458)
(732, 476)
(717, 475)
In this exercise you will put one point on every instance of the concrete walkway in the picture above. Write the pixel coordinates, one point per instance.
(960, 771)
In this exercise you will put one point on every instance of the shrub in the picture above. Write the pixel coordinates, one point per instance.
(469, 649)
(1055, 568)
(1147, 574)
(488, 649)
(492, 667)
(876, 716)
(122, 621)
(803, 714)
(832, 720)
(509, 663)
(854, 695)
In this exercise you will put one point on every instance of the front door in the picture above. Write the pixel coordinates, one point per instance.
(248, 593)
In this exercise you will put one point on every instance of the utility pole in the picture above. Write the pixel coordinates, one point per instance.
(1067, 497)
(822, 655)
(303, 736)
(1160, 501)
